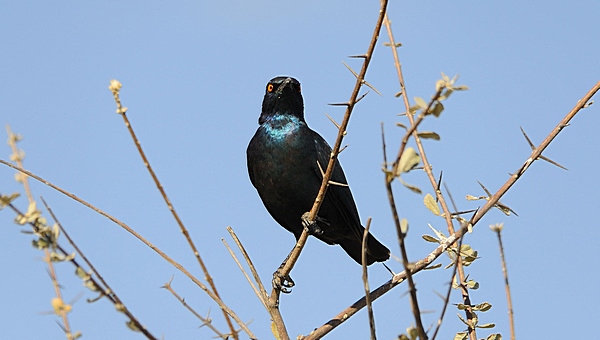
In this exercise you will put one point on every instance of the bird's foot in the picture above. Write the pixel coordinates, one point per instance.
(284, 283)
(311, 226)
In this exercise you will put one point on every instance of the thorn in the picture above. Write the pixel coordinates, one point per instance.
(552, 162)
(372, 87)
(528, 140)
(364, 56)
(361, 97)
(362, 80)
(388, 268)
(541, 156)
(338, 184)
(439, 183)
(342, 149)
(349, 68)
(339, 104)
(474, 214)
(320, 169)
(485, 189)
(458, 213)
(333, 121)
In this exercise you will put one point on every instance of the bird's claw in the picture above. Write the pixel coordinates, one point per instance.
(311, 226)
(284, 283)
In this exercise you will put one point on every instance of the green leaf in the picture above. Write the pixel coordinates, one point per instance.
(484, 307)
(438, 233)
(437, 109)
(461, 336)
(431, 204)
(487, 325)
(6, 200)
(131, 325)
(429, 135)
(472, 284)
(81, 273)
(435, 266)
(430, 238)
(412, 332)
(408, 161)
(421, 103)
(412, 188)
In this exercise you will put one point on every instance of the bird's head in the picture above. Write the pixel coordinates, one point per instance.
(282, 96)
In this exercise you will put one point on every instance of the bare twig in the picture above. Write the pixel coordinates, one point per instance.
(365, 278)
(115, 87)
(498, 229)
(206, 321)
(261, 287)
(260, 296)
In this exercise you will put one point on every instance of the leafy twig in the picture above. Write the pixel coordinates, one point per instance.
(141, 238)
(454, 237)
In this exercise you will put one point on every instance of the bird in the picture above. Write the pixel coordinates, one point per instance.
(286, 160)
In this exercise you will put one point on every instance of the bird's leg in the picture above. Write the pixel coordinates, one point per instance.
(284, 283)
(311, 226)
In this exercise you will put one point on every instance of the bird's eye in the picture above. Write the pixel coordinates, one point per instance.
(270, 88)
(299, 90)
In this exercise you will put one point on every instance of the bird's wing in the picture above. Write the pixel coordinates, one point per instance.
(339, 194)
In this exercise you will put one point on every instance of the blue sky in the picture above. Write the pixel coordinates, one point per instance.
(193, 77)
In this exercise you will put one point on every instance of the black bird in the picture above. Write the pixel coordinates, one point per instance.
(282, 164)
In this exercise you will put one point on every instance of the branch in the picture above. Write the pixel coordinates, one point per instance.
(366, 280)
(115, 87)
(498, 229)
(454, 237)
(287, 266)
(141, 238)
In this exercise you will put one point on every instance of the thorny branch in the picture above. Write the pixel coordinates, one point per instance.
(286, 268)
(455, 236)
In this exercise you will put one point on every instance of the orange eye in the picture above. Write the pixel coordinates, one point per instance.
(270, 88)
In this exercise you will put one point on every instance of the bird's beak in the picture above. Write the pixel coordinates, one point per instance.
(283, 85)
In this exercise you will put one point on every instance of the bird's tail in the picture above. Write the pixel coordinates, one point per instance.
(376, 252)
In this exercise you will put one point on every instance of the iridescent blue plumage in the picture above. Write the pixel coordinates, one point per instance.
(282, 164)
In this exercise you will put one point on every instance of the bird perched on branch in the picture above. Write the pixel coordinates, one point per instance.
(286, 162)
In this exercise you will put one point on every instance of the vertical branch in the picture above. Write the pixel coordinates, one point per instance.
(293, 257)
(498, 229)
(60, 308)
(388, 185)
(115, 87)
(365, 278)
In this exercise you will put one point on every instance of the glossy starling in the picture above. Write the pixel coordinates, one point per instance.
(282, 164)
